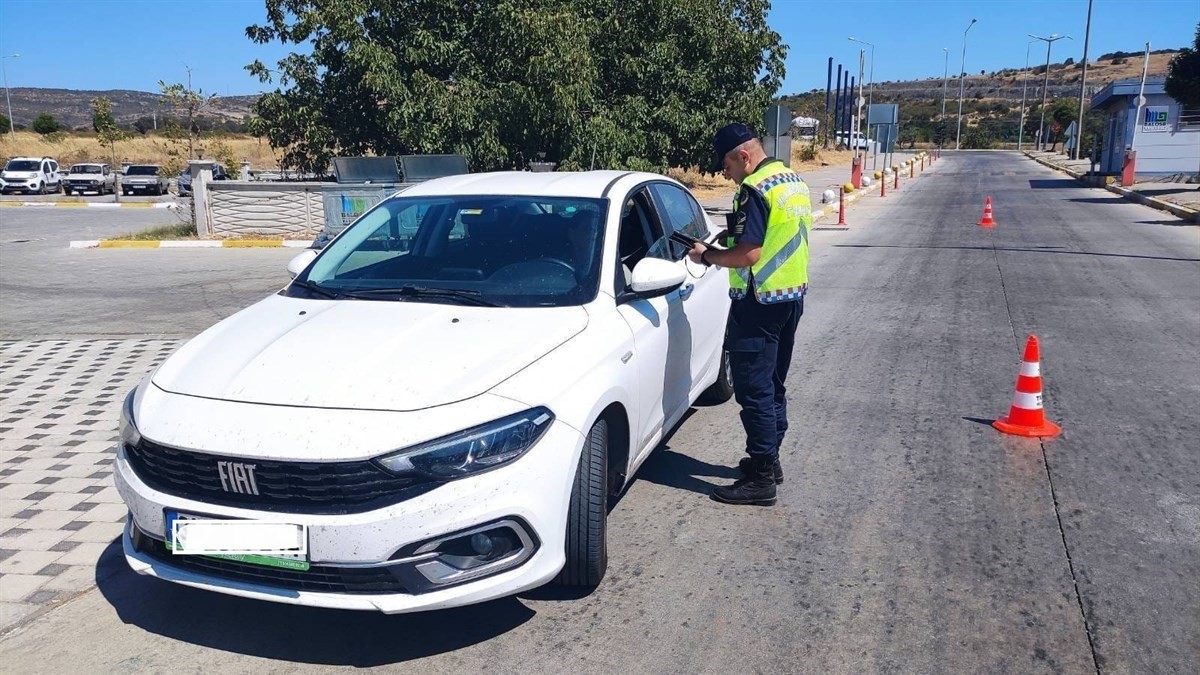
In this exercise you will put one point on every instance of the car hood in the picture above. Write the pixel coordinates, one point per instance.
(19, 175)
(364, 354)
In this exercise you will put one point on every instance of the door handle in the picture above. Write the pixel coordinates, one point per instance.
(686, 291)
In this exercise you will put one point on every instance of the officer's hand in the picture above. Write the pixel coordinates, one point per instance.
(697, 251)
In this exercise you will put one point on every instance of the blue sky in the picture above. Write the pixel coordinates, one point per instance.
(131, 44)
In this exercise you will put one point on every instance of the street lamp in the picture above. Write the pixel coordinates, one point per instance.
(962, 70)
(11, 124)
(870, 90)
(1054, 37)
(1024, 89)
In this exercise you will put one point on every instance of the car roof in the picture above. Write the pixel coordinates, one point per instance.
(587, 184)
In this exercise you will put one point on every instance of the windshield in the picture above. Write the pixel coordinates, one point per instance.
(21, 165)
(142, 171)
(503, 250)
(85, 168)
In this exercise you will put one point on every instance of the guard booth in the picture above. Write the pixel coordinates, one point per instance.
(363, 182)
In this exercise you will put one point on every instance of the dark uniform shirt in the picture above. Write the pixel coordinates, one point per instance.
(749, 223)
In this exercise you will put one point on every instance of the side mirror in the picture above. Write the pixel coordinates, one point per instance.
(300, 262)
(653, 277)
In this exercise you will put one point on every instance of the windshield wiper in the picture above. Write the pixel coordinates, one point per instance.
(463, 296)
(319, 290)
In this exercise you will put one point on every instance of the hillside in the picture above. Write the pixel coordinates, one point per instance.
(73, 107)
(991, 100)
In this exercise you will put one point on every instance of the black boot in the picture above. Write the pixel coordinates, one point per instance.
(776, 469)
(758, 488)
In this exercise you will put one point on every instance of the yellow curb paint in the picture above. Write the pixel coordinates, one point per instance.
(129, 244)
(137, 205)
(251, 243)
(70, 204)
(11, 204)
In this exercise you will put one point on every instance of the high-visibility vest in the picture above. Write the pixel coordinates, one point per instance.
(781, 273)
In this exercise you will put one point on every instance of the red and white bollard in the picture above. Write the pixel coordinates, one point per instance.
(883, 186)
(841, 206)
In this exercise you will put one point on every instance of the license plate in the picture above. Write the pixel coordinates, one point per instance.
(283, 545)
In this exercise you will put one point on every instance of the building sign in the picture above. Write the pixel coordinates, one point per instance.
(1154, 118)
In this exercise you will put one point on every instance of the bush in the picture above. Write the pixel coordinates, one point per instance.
(46, 124)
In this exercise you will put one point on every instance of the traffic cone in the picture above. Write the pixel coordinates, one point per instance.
(987, 221)
(1025, 416)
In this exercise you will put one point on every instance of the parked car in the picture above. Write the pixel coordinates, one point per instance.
(504, 351)
(144, 179)
(184, 182)
(98, 178)
(31, 175)
(855, 140)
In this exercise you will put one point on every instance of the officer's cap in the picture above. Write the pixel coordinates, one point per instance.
(727, 139)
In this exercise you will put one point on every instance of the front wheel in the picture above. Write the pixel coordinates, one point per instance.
(587, 517)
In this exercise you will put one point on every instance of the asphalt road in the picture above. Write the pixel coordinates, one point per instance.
(48, 290)
(910, 536)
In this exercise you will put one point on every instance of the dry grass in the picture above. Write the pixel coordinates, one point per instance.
(709, 186)
(150, 149)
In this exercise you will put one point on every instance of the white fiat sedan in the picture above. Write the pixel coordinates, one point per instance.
(438, 408)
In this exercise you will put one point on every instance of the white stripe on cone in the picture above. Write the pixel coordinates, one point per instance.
(1027, 401)
(1031, 369)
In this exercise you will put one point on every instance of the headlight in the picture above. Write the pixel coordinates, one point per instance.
(473, 450)
(129, 431)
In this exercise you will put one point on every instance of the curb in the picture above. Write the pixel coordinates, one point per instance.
(1181, 212)
(220, 243)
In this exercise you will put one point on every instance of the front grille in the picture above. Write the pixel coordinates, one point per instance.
(318, 578)
(290, 487)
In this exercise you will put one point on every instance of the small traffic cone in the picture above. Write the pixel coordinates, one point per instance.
(1025, 416)
(987, 221)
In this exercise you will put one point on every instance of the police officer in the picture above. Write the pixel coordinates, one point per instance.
(767, 257)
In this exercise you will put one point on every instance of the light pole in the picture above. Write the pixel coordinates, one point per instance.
(1024, 89)
(1087, 35)
(962, 70)
(11, 124)
(871, 87)
(1054, 37)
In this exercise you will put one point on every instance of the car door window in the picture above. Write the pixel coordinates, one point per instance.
(636, 237)
(680, 213)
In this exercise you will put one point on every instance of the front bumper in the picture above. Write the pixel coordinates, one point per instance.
(533, 491)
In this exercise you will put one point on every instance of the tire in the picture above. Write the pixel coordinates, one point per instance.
(721, 390)
(66, 192)
(587, 517)
(41, 190)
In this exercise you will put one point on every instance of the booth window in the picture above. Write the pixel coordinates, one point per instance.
(1189, 117)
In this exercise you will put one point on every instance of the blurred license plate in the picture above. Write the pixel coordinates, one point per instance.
(256, 542)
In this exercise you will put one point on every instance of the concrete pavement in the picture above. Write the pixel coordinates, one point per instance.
(910, 536)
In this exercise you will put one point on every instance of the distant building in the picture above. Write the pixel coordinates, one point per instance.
(1168, 133)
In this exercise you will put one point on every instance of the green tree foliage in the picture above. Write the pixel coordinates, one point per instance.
(46, 124)
(1183, 74)
(636, 84)
(5, 124)
(107, 131)
(187, 104)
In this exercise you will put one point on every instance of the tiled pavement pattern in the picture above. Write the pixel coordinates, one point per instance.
(59, 405)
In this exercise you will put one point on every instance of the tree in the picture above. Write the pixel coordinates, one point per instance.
(5, 124)
(143, 125)
(639, 85)
(188, 103)
(107, 131)
(1183, 74)
(46, 124)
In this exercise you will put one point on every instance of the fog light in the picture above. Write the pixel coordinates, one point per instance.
(482, 544)
(473, 554)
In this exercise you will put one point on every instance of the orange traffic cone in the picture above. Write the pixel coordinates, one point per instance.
(987, 221)
(1025, 416)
